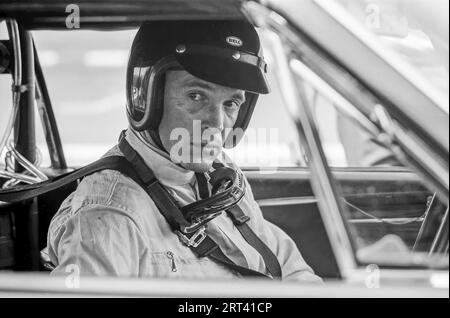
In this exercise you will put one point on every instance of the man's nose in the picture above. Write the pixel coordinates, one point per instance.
(214, 118)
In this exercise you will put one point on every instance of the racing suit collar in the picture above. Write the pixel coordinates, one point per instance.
(166, 171)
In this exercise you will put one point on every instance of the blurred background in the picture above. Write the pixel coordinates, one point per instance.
(85, 74)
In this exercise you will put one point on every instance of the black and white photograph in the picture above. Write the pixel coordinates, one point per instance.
(224, 154)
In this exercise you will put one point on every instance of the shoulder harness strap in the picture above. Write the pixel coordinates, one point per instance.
(201, 244)
(133, 166)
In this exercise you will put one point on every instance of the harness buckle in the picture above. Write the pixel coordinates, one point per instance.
(195, 240)
(200, 222)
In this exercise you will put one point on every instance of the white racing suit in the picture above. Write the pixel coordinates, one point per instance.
(111, 227)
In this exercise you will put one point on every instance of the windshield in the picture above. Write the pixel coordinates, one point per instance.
(415, 31)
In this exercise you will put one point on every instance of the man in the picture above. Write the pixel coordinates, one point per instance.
(180, 74)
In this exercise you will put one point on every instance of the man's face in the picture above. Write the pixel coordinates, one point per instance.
(197, 118)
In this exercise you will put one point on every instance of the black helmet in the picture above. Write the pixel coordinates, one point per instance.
(227, 53)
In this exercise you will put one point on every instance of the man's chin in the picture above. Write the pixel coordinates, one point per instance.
(197, 167)
(202, 163)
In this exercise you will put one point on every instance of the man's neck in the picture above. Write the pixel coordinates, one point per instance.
(159, 161)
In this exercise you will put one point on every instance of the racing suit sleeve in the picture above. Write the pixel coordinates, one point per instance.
(97, 240)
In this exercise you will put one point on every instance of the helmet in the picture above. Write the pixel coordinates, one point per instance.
(226, 53)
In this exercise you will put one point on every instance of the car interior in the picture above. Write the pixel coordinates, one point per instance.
(286, 197)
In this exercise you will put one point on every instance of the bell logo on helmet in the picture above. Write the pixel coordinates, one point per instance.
(234, 41)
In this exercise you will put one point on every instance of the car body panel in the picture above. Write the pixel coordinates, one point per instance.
(41, 285)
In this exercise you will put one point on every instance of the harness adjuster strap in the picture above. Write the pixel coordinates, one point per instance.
(240, 220)
(206, 248)
(237, 216)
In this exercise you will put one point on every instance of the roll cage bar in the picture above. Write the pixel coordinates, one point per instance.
(29, 88)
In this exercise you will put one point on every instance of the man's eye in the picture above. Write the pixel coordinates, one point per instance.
(197, 97)
(233, 104)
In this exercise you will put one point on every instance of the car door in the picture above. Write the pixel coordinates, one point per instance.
(386, 201)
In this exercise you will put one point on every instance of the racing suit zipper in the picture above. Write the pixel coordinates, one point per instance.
(170, 256)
